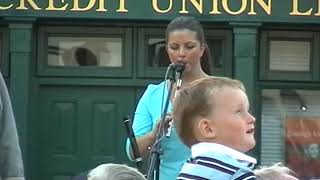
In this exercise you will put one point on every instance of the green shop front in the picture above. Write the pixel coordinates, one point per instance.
(75, 68)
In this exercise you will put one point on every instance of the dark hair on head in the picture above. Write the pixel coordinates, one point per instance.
(192, 24)
(186, 22)
(206, 60)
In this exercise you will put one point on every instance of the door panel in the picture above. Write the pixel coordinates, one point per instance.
(81, 127)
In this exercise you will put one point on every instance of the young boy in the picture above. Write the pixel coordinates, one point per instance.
(212, 117)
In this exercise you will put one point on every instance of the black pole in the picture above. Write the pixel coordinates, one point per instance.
(154, 163)
(133, 143)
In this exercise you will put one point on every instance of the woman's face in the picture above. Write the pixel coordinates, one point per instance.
(184, 47)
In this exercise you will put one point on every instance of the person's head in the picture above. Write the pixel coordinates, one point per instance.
(85, 57)
(274, 172)
(312, 151)
(214, 109)
(186, 43)
(115, 172)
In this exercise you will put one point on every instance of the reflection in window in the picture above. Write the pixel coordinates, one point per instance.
(290, 124)
(215, 46)
(158, 57)
(157, 54)
(84, 51)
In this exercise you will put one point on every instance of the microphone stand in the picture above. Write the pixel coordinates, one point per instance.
(133, 143)
(153, 170)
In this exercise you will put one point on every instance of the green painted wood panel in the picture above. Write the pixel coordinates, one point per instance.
(4, 52)
(245, 68)
(80, 128)
(19, 63)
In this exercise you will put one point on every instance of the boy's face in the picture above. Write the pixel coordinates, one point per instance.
(231, 121)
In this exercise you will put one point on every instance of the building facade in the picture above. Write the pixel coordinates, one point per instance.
(75, 68)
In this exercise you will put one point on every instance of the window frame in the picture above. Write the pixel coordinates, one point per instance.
(144, 33)
(4, 51)
(278, 35)
(143, 70)
(276, 85)
(43, 69)
(225, 35)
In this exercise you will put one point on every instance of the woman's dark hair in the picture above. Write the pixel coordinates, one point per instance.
(192, 24)
(206, 60)
(186, 22)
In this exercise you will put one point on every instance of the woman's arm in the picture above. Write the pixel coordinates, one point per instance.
(144, 142)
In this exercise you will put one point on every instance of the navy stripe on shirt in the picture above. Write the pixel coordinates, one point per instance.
(215, 164)
(183, 176)
(216, 167)
(217, 161)
(247, 176)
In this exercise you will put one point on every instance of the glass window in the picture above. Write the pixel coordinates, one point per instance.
(84, 51)
(153, 58)
(157, 54)
(216, 51)
(290, 55)
(290, 130)
(158, 57)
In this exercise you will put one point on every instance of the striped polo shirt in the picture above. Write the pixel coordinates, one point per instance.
(210, 161)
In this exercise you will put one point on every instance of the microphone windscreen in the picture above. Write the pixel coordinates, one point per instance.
(178, 67)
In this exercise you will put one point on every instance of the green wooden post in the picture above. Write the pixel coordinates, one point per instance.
(245, 68)
(20, 31)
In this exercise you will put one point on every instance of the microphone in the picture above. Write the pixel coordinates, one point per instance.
(178, 68)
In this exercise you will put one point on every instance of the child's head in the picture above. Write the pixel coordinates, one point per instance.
(214, 109)
(112, 171)
(276, 171)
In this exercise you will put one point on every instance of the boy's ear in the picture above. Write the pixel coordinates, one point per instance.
(206, 128)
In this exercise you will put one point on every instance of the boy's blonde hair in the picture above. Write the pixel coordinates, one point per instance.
(195, 101)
